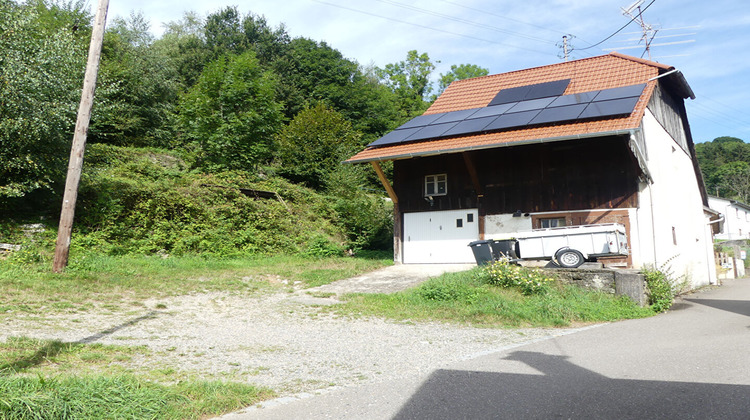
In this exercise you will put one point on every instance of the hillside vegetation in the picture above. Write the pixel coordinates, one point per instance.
(181, 123)
(725, 164)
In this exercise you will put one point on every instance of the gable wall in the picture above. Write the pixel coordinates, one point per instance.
(670, 216)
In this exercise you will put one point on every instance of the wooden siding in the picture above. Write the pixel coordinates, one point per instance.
(666, 110)
(598, 173)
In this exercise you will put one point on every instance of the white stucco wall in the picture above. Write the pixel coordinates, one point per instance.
(496, 225)
(670, 218)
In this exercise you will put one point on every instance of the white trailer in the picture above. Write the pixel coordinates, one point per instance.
(570, 246)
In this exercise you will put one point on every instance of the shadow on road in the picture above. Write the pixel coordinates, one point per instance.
(568, 391)
(741, 307)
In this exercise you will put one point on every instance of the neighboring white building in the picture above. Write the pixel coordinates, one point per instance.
(736, 216)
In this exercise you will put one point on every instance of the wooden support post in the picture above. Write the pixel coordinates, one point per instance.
(479, 190)
(384, 181)
(75, 164)
(397, 228)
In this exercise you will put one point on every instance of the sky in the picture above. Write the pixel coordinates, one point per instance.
(709, 42)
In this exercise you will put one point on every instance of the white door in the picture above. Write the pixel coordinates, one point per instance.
(440, 236)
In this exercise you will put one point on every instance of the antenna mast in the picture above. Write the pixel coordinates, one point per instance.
(648, 32)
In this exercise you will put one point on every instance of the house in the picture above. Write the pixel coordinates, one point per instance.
(598, 140)
(736, 222)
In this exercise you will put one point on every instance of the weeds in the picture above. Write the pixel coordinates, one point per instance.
(660, 288)
(470, 298)
(527, 281)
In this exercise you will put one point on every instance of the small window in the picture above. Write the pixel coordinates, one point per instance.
(469, 218)
(459, 223)
(552, 223)
(435, 185)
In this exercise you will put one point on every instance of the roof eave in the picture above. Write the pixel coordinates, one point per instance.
(621, 132)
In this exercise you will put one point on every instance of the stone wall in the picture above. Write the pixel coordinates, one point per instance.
(619, 282)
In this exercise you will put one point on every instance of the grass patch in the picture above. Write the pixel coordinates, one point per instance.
(466, 298)
(122, 281)
(52, 379)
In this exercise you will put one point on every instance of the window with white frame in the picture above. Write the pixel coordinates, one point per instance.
(435, 185)
(552, 222)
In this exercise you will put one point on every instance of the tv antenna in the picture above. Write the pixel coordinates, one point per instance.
(648, 32)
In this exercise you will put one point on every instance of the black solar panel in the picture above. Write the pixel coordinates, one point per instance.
(609, 108)
(558, 114)
(475, 125)
(575, 98)
(395, 136)
(531, 105)
(430, 131)
(518, 112)
(515, 94)
(422, 120)
(455, 116)
(620, 92)
(516, 119)
(493, 110)
(547, 89)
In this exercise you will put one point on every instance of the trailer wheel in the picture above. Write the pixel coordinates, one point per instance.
(569, 258)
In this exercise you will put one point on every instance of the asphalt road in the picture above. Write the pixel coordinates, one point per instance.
(690, 363)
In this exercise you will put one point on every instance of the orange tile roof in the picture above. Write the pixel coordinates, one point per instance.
(589, 74)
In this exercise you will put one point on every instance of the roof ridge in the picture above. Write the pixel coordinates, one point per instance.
(641, 60)
(573, 62)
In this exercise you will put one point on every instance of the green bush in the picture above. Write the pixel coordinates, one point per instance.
(448, 289)
(527, 281)
(146, 201)
(659, 289)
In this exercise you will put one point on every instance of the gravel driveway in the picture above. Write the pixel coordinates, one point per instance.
(283, 340)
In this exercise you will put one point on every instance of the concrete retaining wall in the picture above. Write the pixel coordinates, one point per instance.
(620, 282)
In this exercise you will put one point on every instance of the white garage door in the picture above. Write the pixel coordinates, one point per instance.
(440, 236)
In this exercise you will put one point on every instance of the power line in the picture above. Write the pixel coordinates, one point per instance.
(465, 21)
(428, 27)
(485, 12)
(640, 12)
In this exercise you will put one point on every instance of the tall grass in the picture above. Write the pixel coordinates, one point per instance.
(119, 397)
(466, 298)
(43, 379)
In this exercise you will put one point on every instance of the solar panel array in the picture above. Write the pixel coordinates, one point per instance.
(542, 103)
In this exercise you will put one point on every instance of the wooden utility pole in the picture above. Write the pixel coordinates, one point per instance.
(75, 164)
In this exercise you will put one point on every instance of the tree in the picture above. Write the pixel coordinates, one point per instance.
(40, 82)
(718, 160)
(459, 72)
(735, 177)
(410, 80)
(231, 113)
(314, 144)
(139, 85)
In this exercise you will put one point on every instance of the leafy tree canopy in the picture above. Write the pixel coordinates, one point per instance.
(460, 72)
(41, 73)
(231, 113)
(410, 81)
(137, 89)
(314, 144)
(723, 162)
